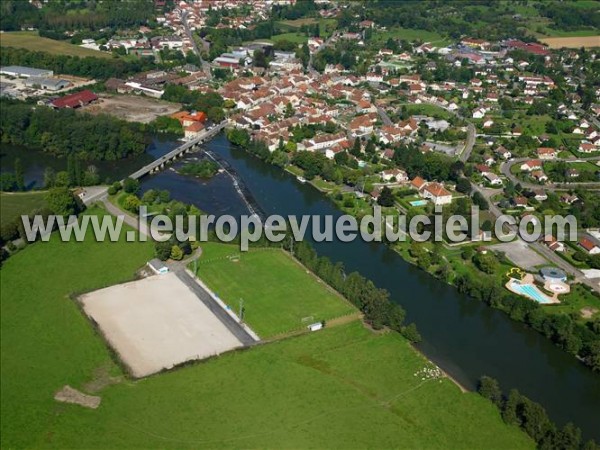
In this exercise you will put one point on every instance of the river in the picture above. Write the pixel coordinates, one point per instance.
(463, 336)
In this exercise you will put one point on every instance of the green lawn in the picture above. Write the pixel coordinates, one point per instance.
(579, 298)
(14, 204)
(426, 109)
(30, 40)
(278, 292)
(410, 34)
(296, 38)
(46, 341)
(343, 387)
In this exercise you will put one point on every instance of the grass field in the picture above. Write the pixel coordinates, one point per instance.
(343, 387)
(411, 34)
(425, 109)
(278, 293)
(340, 388)
(46, 342)
(296, 38)
(30, 40)
(13, 204)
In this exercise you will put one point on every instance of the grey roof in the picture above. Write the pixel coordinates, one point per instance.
(53, 82)
(27, 71)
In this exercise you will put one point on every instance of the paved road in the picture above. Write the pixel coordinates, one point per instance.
(205, 65)
(234, 327)
(470, 142)
(384, 116)
(506, 166)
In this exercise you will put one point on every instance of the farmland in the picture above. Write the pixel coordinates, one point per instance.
(43, 331)
(572, 41)
(32, 41)
(277, 292)
(14, 204)
(341, 387)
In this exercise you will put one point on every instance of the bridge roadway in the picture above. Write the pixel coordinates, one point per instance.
(173, 154)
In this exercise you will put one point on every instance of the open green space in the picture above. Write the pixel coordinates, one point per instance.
(580, 302)
(14, 204)
(278, 293)
(411, 34)
(30, 40)
(296, 38)
(428, 110)
(45, 341)
(343, 387)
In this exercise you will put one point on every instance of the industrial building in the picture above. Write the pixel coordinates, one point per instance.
(48, 84)
(25, 72)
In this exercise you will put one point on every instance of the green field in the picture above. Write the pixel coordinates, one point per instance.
(410, 34)
(296, 38)
(429, 110)
(343, 387)
(46, 342)
(31, 41)
(277, 291)
(14, 204)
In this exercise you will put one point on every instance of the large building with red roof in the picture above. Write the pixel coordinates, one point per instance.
(75, 100)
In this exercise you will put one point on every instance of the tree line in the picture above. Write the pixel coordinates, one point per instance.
(579, 339)
(517, 409)
(89, 66)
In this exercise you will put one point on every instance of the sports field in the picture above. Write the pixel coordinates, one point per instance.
(13, 204)
(342, 387)
(278, 293)
(30, 40)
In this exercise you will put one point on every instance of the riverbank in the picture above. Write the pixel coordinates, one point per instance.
(451, 266)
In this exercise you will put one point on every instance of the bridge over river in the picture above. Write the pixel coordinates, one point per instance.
(160, 163)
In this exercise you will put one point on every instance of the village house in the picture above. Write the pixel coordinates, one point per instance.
(394, 175)
(546, 153)
(553, 244)
(589, 246)
(532, 164)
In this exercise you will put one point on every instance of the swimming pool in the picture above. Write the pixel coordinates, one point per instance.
(529, 291)
(418, 203)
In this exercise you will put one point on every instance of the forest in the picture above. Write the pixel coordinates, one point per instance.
(68, 132)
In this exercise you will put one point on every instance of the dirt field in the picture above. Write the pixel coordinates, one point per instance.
(572, 42)
(156, 323)
(132, 107)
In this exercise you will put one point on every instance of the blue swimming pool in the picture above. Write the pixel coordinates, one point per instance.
(418, 203)
(529, 291)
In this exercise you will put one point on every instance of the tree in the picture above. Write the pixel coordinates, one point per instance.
(260, 60)
(132, 203)
(60, 200)
(216, 114)
(386, 197)
(289, 110)
(19, 177)
(162, 250)
(411, 333)
(490, 389)
(510, 408)
(463, 185)
(485, 262)
(176, 253)
(131, 186)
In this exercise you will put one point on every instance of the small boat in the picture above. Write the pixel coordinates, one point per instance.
(301, 179)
